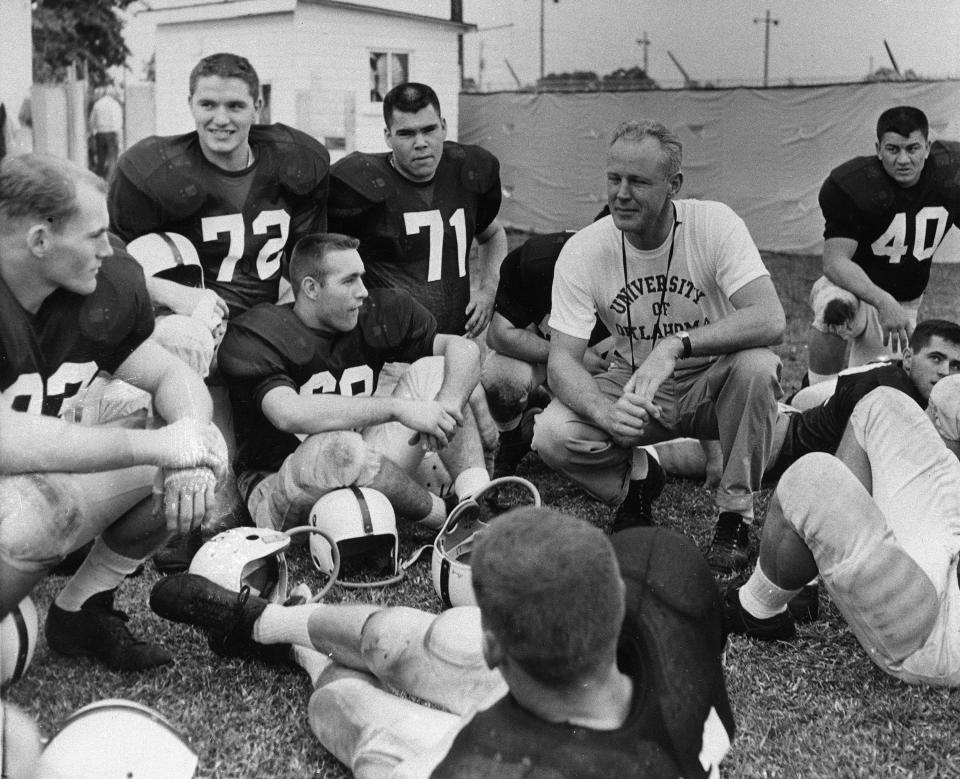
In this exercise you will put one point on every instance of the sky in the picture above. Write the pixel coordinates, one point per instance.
(714, 40)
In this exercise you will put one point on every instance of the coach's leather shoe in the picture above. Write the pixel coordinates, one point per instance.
(637, 508)
(805, 605)
(195, 600)
(99, 630)
(738, 621)
(729, 550)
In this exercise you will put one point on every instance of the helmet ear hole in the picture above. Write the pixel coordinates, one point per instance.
(246, 557)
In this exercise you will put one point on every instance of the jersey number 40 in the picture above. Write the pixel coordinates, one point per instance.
(893, 243)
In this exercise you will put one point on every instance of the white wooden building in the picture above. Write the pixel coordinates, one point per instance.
(324, 64)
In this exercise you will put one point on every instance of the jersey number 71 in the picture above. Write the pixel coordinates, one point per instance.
(415, 221)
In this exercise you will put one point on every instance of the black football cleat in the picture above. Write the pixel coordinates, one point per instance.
(99, 630)
(195, 600)
(738, 621)
(178, 553)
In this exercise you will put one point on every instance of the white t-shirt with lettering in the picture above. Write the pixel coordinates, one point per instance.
(714, 256)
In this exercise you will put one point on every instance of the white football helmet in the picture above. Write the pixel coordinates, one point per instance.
(168, 256)
(246, 556)
(117, 739)
(450, 565)
(359, 520)
(18, 640)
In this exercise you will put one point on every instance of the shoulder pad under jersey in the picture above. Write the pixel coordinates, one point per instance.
(164, 168)
(479, 169)
(366, 174)
(302, 161)
(945, 156)
(111, 312)
(865, 182)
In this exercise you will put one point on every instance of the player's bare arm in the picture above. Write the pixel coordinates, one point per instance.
(181, 299)
(291, 412)
(461, 372)
(491, 249)
(839, 267)
(522, 343)
(573, 384)
(30, 443)
(758, 321)
(178, 393)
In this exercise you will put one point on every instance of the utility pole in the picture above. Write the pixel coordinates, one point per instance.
(645, 42)
(766, 21)
(542, 16)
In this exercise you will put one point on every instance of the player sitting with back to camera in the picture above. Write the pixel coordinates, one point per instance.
(302, 378)
(586, 656)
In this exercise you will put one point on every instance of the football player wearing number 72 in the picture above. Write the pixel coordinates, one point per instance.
(242, 193)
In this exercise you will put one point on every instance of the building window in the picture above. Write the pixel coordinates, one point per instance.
(387, 69)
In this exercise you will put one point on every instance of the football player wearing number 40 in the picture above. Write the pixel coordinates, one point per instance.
(240, 192)
(70, 307)
(885, 216)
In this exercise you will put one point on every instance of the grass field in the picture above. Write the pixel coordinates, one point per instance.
(818, 708)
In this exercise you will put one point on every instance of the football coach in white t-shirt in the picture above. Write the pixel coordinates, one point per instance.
(681, 287)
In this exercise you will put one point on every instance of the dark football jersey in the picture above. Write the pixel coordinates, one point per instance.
(269, 347)
(819, 429)
(897, 229)
(49, 357)
(242, 223)
(413, 236)
(680, 722)
(526, 281)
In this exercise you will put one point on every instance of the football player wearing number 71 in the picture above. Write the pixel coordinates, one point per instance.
(242, 193)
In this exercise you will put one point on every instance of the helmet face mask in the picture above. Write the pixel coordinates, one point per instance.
(450, 566)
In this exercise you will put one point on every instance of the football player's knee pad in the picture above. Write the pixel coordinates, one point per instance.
(187, 338)
(422, 380)
(804, 484)
(886, 597)
(944, 408)
(40, 519)
(506, 396)
(836, 310)
(328, 461)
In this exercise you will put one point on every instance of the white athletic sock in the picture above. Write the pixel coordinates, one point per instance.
(639, 466)
(103, 570)
(438, 513)
(469, 481)
(763, 599)
(816, 378)
(284, 625)
(311, 661)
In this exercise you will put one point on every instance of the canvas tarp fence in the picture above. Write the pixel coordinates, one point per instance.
(764, 152)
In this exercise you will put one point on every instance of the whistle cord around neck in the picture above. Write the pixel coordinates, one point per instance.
(663, 292)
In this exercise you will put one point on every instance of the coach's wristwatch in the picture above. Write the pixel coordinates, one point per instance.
(684, 337)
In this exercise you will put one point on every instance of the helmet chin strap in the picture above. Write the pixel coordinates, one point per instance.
(663, 292)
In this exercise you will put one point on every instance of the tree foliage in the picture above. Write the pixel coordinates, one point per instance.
(86, 33)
